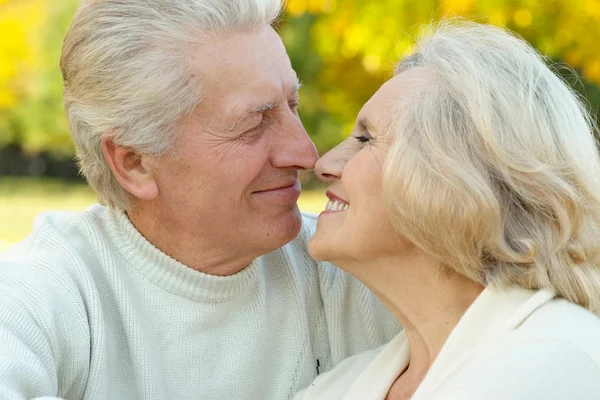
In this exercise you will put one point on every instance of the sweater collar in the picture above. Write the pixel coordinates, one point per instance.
(168, 273)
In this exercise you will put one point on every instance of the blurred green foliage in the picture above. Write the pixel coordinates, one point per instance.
(342, 50)
(31, 108)
(354, 45)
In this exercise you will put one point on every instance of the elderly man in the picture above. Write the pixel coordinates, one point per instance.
(192, 280)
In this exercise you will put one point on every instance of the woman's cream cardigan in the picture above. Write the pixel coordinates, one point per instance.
(511, 344)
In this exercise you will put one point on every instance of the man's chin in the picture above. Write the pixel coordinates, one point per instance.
(292, 222)
(286, 226)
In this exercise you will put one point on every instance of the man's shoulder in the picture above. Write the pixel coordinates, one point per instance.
(48, 274)
(58, 243)
(56, 227)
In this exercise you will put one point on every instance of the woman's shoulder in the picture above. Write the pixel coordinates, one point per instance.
(560, 321)
(532, 369)
(543, 349)
(557, 327)
(553, 354)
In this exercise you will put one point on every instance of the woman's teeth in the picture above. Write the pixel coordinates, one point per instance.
(335, 205)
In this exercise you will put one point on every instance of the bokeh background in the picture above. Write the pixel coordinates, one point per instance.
(342, 51)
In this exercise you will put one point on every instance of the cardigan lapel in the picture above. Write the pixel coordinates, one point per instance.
(375, 381)
(494, 312)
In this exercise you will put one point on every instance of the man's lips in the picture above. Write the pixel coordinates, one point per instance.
(284, 186)
(288, 192)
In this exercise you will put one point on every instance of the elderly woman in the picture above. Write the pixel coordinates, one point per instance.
(468, 200)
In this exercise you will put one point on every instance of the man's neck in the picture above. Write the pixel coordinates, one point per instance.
(202, 254)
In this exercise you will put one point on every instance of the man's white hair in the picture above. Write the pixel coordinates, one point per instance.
(125, 67)
(494, 169)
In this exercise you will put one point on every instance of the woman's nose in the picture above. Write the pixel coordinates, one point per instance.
(329, 167)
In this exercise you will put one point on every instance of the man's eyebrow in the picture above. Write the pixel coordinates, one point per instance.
(251, 112)
(270, 106)
(261, 108)
(265, 107)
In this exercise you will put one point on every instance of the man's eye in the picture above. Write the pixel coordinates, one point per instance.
(250, 136)
(252, 132)
(294, 105)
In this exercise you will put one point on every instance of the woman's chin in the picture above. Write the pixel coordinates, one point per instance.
(317, 250)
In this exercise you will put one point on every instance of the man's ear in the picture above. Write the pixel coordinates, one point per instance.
(131, 170)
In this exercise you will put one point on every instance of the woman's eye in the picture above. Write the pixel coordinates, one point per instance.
(363, 138)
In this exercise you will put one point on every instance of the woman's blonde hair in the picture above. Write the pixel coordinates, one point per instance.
(494, 169)
(126, 71)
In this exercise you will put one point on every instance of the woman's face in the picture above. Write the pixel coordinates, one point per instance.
(355, 226)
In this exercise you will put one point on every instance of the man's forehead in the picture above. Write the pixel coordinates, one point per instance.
(260, 94)
(240, 57)
(233, 84)
(242, 104)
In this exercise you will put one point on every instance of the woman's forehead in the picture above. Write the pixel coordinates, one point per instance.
(377, 112)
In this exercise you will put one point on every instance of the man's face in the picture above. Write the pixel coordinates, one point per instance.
(235, 175)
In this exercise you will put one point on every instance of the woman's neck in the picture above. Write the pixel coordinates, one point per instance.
(426, 299)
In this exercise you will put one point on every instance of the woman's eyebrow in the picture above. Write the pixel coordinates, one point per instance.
(364, 124)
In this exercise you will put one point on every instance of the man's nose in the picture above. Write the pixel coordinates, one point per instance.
(296, 150)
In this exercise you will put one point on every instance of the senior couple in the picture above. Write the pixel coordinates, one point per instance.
(464, 207)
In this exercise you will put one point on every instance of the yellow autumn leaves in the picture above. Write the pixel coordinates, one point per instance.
(20, 23)
(342, 50)
(568, 30)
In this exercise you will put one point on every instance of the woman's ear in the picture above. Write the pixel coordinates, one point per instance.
(132, 170)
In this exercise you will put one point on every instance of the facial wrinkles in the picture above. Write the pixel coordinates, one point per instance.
(250, 120)
(222, 142)
(371, 121)
(256, 119)
(232, 90)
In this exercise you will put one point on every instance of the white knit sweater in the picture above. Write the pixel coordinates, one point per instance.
(91, 310)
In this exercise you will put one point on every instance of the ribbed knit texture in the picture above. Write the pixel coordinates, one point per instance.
(89, 309)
